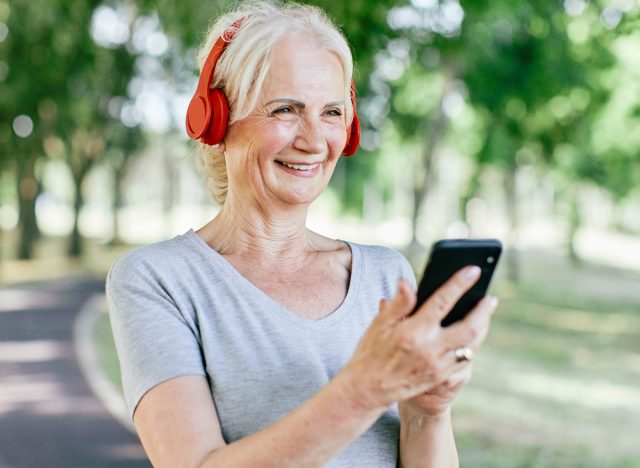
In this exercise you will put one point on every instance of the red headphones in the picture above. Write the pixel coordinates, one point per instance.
(208, 110)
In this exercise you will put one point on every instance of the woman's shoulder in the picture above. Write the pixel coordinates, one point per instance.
(344, 247)
(378, 253)
(149, 259)
(383, 260)
(382, 266)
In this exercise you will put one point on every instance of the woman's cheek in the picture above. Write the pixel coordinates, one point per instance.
(337, 139)
(279, 135)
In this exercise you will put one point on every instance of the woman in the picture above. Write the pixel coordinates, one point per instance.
(257, 342)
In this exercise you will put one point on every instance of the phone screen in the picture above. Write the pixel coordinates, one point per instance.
(449, 256)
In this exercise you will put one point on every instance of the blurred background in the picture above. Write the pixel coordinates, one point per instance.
(511, 119)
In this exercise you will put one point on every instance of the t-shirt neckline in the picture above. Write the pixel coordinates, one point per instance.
(341, 312)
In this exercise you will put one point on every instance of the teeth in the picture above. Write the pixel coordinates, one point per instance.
(300, 167)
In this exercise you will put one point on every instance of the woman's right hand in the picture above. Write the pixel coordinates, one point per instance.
(400, 357)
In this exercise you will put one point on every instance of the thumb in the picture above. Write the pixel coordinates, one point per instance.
(402, 303)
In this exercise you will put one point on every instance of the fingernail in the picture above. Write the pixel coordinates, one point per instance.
(472, 272)
(493, 301)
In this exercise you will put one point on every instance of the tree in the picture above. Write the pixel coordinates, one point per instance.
(98, 75)
(61, 80)
(519, 70)
(21, 98)
(122, 144)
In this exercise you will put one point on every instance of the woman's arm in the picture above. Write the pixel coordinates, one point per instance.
(178, 426)
(426, 441)
(177, 422)
(311, 435)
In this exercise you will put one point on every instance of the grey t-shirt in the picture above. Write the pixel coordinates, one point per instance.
(178, 308)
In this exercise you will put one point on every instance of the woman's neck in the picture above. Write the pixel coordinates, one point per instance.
(244, 229)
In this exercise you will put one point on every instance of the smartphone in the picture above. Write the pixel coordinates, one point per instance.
(450, 255)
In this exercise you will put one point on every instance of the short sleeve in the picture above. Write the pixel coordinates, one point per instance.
(154, 340)
(407, 271)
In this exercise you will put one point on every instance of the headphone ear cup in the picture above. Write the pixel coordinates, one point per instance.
(198, 116)
(353, 140)
(214, 133)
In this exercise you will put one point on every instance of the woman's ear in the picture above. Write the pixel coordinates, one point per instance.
(221, 148)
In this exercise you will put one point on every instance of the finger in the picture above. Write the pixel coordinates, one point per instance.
(472, 330)
(402, 303)
(459, 377)
(453, 383)
(456, 384)
(438, 305)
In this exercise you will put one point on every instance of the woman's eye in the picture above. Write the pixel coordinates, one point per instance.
(283, 110)
(334, 112)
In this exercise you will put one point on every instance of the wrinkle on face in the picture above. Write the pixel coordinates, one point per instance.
(309, 81)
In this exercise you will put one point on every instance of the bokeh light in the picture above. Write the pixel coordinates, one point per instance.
(23, 126)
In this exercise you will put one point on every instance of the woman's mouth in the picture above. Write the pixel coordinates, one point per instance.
(300, 170)
(299, 167)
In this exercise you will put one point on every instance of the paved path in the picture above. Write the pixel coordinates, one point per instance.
(48, 415)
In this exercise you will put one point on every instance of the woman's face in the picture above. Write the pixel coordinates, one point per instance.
(285, 151)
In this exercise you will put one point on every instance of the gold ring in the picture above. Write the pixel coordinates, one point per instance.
(464, 354)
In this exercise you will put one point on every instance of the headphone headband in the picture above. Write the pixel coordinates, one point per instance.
(209, 67)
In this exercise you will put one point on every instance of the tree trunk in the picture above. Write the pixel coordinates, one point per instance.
(574, 226)
(2, 237)
(115, 206)
(75, 241)
(472, 191)
(1, 229)
(424, 171)
(27, 193)
(76, 246)
(417, 204)
(169, 196)
(511, 193)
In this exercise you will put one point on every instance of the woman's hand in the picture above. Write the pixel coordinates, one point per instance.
(412, 359)
(438, 399)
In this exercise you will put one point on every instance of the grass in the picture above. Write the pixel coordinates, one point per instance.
(557, 381)
(106, 350)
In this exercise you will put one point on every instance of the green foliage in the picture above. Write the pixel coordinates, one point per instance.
(539, 86)
(63, 81)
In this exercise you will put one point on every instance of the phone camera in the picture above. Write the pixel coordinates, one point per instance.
(490, 260)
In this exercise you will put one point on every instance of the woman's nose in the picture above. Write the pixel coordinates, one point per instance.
(310, 138)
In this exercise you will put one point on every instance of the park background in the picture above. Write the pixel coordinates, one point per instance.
(511, 119)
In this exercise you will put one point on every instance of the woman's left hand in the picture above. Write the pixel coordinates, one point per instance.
(438, 399)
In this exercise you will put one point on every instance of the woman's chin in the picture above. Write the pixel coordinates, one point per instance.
(299, 192)
(299, 198)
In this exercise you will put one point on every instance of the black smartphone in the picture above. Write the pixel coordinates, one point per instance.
(450, 255)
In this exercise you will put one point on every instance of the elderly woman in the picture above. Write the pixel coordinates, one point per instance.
(255, 341)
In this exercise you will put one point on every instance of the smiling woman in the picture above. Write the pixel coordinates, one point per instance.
(255, 341)
(297, 128)
(242, 71)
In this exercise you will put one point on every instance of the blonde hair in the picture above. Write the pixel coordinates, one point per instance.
(242, 68)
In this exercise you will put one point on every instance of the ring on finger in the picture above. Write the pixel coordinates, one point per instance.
(464, 354)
